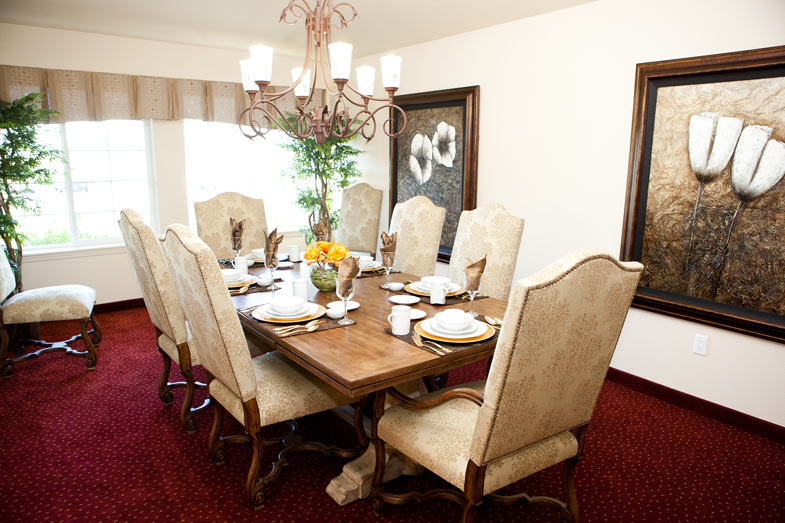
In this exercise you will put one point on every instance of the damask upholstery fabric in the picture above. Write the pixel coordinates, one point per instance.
(488, 230)
(358, 225)
(418, 223)
(7, 278)
(212, 222)
(160, 296)
(216, 331)
(57, 303)
(440, 439)
(559, 333)
(283, 391)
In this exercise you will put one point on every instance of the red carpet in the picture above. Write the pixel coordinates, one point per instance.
(100, 446)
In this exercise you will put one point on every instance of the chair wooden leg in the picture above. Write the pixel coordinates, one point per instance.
(186, 412)
(97, 335)
(5, 365)
(378, 444)
(215, 444)
(164, 391)
(569, 487)
(474, 486)
(92, 357)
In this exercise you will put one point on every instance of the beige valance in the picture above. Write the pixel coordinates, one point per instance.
(81, 95)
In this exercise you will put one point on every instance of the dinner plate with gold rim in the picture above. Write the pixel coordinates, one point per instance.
(259, 314)
(247, 280)
(488, 334)
(408, 288)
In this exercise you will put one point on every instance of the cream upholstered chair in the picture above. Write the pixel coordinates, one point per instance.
(488, 230)
(56, 303)
(160, 298)
(418, 223)
(212, 222)
(554, 348)
(358, 225)
(257, 392)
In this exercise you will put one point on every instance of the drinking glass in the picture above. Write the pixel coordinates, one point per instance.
(472, 294)
(387, 281)
(345, 320)
(272, 266)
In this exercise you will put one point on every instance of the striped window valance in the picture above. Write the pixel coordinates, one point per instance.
(82, 95)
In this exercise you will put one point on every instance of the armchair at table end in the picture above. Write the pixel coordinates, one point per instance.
(56, 303)
(559, 333)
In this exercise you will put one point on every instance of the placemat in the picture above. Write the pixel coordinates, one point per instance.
(328, 324)
(255, 288)
(449, 347)
(448, 300)
(367, 273)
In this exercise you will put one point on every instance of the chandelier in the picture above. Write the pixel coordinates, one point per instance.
(321, 122)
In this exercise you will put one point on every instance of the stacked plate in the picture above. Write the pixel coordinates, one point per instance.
(454, 326)
(288, 309)
(235, 278)
(423, 287)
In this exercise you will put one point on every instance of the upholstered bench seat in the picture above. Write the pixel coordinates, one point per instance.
(57, 303)
(443, 437)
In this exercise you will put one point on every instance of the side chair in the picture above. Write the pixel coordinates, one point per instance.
(358, 225)
(559, 333)
(419, 224)
(212, 222)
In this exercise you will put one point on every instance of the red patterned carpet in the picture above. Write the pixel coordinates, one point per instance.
(100, 446)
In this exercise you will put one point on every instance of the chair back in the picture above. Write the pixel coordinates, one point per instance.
(160, 296)
(559, 333)
(419, 224)
(215, 328)
(7, 278)
(358, 224)
(488, 230)
(212, 222)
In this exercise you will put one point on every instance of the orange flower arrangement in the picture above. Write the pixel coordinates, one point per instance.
(323, 253)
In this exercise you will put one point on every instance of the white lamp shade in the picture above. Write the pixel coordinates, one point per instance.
(304, 87)
(340, 60)
(248, 74)
(365, 78)
(391, 71)
(262, 57)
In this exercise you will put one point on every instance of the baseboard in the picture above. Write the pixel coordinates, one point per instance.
(114, 306)
(706, 408)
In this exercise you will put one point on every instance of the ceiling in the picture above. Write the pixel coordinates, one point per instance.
(236, 24)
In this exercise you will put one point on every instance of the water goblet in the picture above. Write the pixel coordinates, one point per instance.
(345, 299)
(471, 294)
(272, 265)
(387, 281)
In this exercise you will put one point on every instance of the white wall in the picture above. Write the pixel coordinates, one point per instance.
(555, 116)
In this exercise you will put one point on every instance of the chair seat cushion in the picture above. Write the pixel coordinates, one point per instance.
(57, 303)
(283, 391)
(439, 439)
(169, 346)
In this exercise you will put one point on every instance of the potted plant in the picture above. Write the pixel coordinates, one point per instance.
(23, 162)
(327, 256)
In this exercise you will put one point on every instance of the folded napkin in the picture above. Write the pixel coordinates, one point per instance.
(237, 233)
(271, 244)
(321, 229)
(347, 270)
(388, 248)
(474, 272)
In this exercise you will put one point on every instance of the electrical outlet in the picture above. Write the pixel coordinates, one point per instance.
(699, 344)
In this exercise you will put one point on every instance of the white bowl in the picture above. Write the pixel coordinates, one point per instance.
(264, 280)
(453, 320)
(427, 281)
(335, 313)
(395, 286)
(232, 275)
(283, 304)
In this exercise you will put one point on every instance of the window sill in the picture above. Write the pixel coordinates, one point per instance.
(62, 253)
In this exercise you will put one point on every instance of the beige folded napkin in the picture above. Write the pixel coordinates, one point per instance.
(271, 244)
(237, 234)
(347, 270)
(388, 248)
(321, 230)
(474, 272)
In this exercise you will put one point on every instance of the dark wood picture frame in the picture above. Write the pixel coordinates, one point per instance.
(469, 99)
(752, 64)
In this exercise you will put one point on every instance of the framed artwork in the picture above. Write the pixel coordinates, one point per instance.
(705, 205)
(436, 156)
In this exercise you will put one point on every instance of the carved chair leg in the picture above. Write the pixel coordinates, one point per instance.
(473, 489)
(215, 444)
(186, 413)
(569, 487)
(5, 365)
(254, 488)
(97, 335)
(378, 472)
(164, 391)
(92, 357)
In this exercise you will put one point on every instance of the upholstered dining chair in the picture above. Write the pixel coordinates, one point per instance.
(163, 306)
(418, 223)
(44, 304)
(212, 222)
(488, 230)
(258, 392)
(559, 333)
(358, 224)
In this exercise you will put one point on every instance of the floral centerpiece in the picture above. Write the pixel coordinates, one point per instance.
(323, 258)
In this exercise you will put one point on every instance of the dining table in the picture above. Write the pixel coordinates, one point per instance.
(362, 360)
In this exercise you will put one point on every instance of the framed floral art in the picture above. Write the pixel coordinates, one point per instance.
(705, 205)
(436, 156)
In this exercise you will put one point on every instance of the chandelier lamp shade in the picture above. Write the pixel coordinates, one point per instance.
(322, 57)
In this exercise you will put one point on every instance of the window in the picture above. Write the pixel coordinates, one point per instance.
(218, 158)
(106, 169)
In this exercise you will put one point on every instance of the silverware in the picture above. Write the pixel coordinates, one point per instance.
(241, 290)
(438, 349)
(302, 329)
(493, 322)
(246, 310)
(279, 330)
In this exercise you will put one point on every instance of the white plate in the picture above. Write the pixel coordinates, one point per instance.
(350, 305)
(372, 265)
(404, 299)
(436, 326)
(285, 265)
(247, 279)
(417, 314)
(307, 310)
(419, 286)
(478, 329)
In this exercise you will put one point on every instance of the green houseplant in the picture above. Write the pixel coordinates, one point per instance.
(23, 162)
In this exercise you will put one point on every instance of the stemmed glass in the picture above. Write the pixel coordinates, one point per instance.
(387, 271)
(471, 294)
(272, 265)
(345, 299)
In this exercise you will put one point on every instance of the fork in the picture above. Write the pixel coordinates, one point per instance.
(419, 342)
(301, 330)
(281, 330)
